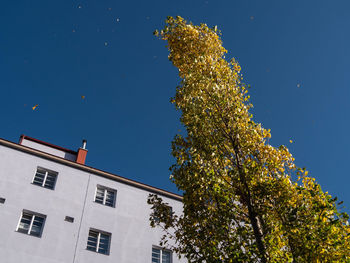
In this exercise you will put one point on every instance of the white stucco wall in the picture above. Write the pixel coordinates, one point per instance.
(61, 241)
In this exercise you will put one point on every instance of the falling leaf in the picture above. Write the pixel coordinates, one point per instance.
(290, 141)
(83, 97)
(35, 106)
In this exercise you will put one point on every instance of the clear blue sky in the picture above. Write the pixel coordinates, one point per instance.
(295, 54)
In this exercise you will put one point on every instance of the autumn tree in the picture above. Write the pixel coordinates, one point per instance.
(240, 203)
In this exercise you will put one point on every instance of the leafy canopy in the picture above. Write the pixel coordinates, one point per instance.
(239, 201)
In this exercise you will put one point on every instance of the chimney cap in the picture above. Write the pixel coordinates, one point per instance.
(84, 144)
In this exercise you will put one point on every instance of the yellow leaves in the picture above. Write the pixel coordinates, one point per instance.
(35, 106)
(156, 33)
(237, 67)
(290, 141)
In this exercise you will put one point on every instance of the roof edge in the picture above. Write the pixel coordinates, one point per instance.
(85, 168)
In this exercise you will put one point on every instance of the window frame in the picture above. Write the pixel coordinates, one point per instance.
(98, 241)
(32, 219)
(47, 172)
(105, 192)
(161, 251)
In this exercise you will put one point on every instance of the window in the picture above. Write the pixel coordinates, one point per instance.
(45, 178)
(31, 223)
(98, 241)
(161, 255)
(105, 196)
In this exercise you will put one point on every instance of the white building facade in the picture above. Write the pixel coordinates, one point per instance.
(55, 209)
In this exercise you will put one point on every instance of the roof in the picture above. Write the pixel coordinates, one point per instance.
(85, 168)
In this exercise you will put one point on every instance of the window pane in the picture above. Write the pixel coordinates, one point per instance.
(50, 180)
(25, 223)
(104, 244)
(155, 255)
(102, 239)
(110, 198)
(39, 177)
(92, 240)
(100, 193)
(166, 256)
(37, 226)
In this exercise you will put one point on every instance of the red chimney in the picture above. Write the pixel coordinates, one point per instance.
(82, 152)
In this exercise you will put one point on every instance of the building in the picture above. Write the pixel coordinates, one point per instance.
(55, 209)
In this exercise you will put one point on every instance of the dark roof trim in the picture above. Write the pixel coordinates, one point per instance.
(89, 169)
(46, 143)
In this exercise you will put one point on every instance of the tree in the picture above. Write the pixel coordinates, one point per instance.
(240, 203)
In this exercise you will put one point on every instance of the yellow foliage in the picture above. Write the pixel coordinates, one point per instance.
(238, 189)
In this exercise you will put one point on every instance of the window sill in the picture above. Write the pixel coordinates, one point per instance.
(97, 252)
(104, 205)
(28, 234)
(43, 187)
